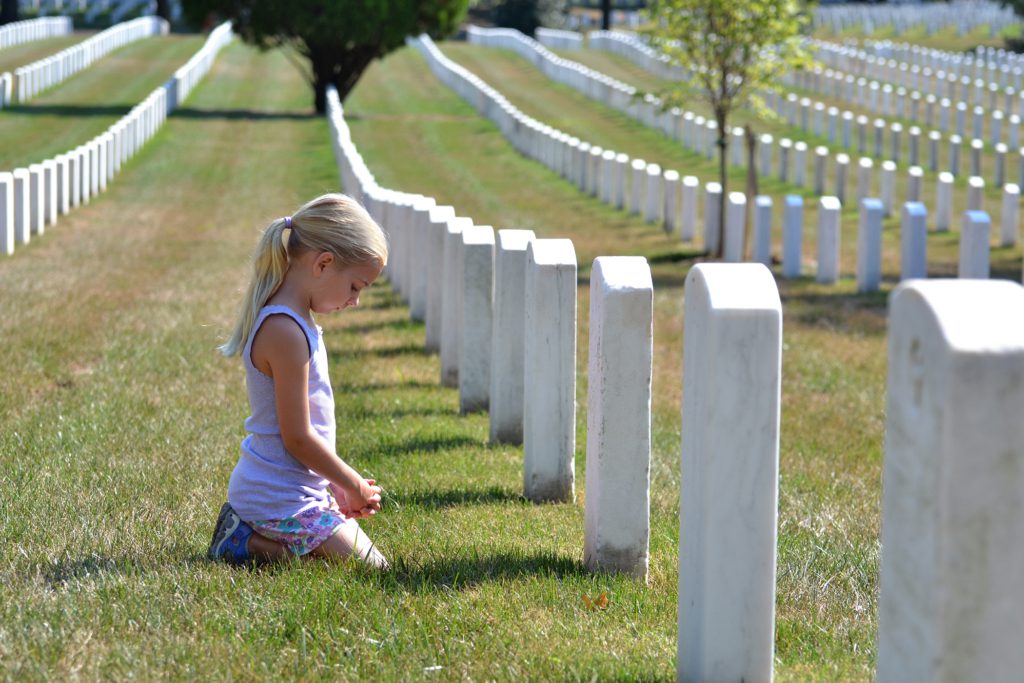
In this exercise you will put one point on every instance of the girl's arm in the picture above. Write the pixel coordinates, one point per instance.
(281, 347)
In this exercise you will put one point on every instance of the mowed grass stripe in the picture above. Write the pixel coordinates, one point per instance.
(24, 54)
(86, 104)
(412, 129)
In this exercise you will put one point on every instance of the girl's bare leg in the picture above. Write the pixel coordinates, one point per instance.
(262, 548)
(349, 539)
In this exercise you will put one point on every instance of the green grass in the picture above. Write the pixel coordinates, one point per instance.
(119, 425)
(24, 54)
(72, 112)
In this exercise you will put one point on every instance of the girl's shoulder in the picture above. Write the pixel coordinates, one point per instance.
(281, 337)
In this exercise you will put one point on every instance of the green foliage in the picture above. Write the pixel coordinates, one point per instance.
(339, 37)
(523, 15)
(732, 49)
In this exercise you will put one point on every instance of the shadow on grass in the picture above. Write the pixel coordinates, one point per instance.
(242, 114)
(467, 572)
(411, 349)
(428, 444)
(865, 313)
(73, 110)
(388, 386)
(58, 574)
(456, 497)
(395, 325)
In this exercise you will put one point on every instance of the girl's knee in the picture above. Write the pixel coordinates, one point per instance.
(350, 541)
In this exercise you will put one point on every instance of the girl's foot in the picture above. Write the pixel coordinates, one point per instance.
(230, 538)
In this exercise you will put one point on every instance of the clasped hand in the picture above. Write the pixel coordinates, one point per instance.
(365, 504)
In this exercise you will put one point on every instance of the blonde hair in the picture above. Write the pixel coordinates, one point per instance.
(334, 223)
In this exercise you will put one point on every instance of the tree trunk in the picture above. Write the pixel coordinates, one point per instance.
(8, 11)
(163, 9)
(723, 148)
(751, 139)
(606, 15)
(342, 70)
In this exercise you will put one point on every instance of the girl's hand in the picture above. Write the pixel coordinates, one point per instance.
(349, 503)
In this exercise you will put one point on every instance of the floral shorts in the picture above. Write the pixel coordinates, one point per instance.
(304, 532)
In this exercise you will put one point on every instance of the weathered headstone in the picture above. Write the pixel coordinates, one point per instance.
(549, 371)
(506, 395)
(671, 204)
(913, 241)
(1009, 220)
(22, 204)
(888, 186)
(617, 514)
(433, 262)
(451, 304)
(762, 239)
(792, 235)
(952, 518)
(944, 202)
(730, 451)
(735, 227)
(974, 245)
(688, 220)
(869, 246)
(6, 213)
(712, 216)
(477, 318)
(829, 239)
(975, 193)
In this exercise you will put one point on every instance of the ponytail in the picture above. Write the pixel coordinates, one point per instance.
(270, 262)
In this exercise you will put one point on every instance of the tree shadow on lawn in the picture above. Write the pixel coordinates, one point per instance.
(59, 573)
(469, 571)
(73, 110)
(410, 349)
(242, 114)
(456, 497)
(425, 444)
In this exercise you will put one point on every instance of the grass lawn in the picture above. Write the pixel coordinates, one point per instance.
(119, 425)
(72, 112)
(24, 54)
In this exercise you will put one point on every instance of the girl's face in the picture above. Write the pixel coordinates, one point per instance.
(338, 287)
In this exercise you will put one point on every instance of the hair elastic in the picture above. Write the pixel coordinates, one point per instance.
(288, 222)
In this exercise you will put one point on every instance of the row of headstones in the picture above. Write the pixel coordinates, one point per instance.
(882, 98)
(45, 73)
(700, 135)
(964, 15)
(788, 108)
(500, 309)
(975, 234)
(731, 417)
(940, 76)
(666, 198)
(18, 32)
(643, 55)
(984, 57)
(32, 198)
(559, 40)
(632, 184)
(839, 129)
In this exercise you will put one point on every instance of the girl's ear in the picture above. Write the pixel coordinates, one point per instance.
(323, 261)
